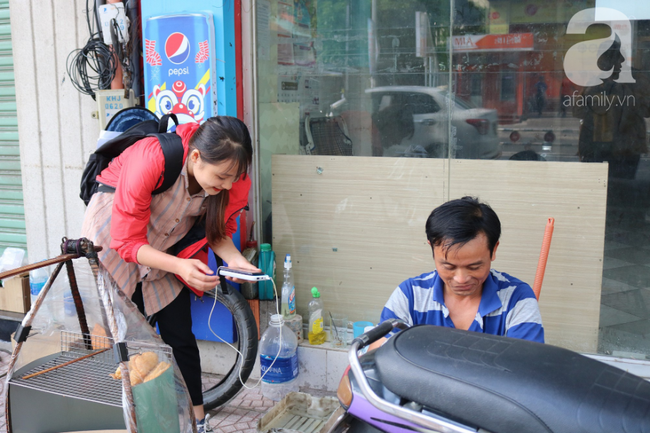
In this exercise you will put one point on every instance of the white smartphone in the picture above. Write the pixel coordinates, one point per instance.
(242, 274)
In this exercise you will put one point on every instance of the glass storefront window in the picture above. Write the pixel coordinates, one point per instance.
(554, 81)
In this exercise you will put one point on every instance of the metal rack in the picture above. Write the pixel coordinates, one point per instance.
(69, 373)
(63, 375)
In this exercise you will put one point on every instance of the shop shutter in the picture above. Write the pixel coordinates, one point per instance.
(12, 211)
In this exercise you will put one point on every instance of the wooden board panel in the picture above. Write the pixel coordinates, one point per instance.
(355, 229)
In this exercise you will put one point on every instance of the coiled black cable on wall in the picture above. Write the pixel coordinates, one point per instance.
(93, 66)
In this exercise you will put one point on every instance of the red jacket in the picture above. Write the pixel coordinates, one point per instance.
(135, 174)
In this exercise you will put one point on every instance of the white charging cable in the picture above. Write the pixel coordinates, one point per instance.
(277, 309)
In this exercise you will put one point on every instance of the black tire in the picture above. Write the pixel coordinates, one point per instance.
(246, 343)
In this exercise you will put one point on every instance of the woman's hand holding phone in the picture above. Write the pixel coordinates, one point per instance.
(194, 272)
(230, 254)
(197, 274)
(242, 263)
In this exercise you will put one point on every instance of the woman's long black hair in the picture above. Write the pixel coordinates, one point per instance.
(219, 139)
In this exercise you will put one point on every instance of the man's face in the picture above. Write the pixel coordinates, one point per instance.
(464, 268)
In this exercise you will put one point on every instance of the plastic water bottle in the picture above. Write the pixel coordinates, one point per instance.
(68, 304)
(267, 264)
(278, 359)
(316, 333)
(288, 308)
(37, 279)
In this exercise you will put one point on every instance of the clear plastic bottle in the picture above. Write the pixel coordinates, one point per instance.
(278, 359)
(288, 308)
(316, 333)
(37, 279)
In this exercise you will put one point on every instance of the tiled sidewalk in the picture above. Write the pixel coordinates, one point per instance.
(242, 413)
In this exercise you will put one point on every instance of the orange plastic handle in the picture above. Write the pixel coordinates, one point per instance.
(543, 257)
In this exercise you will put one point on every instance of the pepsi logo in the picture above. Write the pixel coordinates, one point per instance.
(177, 48)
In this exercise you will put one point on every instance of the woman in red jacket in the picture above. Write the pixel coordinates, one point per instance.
(140, 228)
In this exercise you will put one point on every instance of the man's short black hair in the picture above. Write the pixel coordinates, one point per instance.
(459, 221)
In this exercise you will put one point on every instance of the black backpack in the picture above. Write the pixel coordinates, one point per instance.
(170, 143)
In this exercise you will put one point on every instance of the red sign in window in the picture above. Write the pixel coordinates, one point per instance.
(514, 41)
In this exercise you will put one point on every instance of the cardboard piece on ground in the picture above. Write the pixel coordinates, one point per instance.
(14, 295)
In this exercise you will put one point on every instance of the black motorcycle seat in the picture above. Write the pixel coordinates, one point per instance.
(506, 385)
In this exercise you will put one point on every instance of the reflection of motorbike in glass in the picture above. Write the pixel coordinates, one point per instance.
(434, 379)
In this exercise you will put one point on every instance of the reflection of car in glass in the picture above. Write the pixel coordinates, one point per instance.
(413, 121)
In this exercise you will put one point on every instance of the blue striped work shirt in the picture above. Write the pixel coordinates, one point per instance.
(508, 306)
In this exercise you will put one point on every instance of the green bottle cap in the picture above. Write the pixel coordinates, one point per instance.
(314, 292)
(265, 247)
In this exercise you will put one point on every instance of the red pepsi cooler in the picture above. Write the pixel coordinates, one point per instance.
(179, 66)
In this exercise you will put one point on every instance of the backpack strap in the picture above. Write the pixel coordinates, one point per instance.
(162, 125)
(172, 148)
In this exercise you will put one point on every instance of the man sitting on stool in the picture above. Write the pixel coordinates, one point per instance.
(464, 292)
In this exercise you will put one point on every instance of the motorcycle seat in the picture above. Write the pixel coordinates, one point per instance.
(507, 385)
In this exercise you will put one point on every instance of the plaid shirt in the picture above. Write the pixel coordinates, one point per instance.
(172, 215)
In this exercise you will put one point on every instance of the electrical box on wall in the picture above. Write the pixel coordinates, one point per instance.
(110, 102)
(112, 17)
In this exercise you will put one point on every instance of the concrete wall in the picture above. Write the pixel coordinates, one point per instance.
(55, 126)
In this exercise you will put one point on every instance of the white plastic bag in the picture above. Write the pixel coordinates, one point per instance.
(12, 258)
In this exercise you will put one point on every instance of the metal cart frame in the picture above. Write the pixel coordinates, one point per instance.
(73, 249)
